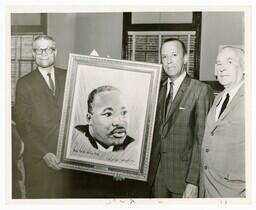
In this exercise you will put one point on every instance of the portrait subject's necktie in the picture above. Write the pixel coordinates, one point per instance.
(224, 105)
(169, 97)
(51, 84)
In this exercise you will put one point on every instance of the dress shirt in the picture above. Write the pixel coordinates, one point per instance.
(46, 78)
(176, 84)
(231, 93)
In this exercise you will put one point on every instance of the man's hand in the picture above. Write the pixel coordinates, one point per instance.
(191, 191)
(51, 161)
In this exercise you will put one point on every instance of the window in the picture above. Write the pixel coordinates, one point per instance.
(145, 45)
(22, 61)
(22, 36)
(142, 42)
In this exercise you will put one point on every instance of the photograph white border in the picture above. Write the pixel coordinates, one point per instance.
(165, 6)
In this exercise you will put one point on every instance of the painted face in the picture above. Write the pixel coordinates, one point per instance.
(109, 118)
(229, 68)
(44, 52)
(173, 59)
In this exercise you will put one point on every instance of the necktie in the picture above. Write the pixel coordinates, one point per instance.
(51, 83)
(169, 98)
(224, 104)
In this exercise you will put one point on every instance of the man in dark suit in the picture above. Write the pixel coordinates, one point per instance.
(17, 150)
(38, 105)
(182, 109)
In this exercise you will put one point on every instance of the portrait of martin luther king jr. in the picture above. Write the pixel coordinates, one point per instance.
(108, 120)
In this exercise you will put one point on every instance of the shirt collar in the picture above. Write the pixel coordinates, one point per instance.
(45, 72)
(232, 92)
(179, 80)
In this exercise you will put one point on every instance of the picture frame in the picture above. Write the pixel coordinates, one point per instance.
(136, 84)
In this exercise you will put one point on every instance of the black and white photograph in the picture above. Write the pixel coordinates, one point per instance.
(107, 121)
(130, 103)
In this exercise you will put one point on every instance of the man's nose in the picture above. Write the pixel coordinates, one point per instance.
(44, 52)
(118, 120)
(169, 59)
(222, 68)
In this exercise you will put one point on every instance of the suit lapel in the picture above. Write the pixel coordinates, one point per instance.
(57, 83)
(179, 96)
(59, 86)
(211, 115)
(162, 98)
(236, 99)
(40, 81)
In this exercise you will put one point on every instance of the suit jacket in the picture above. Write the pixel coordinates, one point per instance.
(223, 150)
(16, 173)
(178, 135)
(37, 113)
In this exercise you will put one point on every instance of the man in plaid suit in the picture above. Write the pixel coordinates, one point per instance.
(182, 109)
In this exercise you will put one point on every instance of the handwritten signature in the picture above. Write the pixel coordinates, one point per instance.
(98, 154)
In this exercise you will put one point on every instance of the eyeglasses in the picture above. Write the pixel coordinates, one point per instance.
(48, 51)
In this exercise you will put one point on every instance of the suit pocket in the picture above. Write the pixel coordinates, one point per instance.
(233, 177)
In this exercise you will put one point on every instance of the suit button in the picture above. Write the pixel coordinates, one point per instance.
(205, 167)
(207, 150)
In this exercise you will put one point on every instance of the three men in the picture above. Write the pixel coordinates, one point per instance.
(38, 104)
(223, 147)
(108, 120)
(182, 109)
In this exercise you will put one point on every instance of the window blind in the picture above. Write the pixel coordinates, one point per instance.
(145, 46)
(22, 61)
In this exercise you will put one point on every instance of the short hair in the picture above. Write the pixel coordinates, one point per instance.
(233, 47)
(238, 50)
(95, 92)
(43, 37)
(174, 40)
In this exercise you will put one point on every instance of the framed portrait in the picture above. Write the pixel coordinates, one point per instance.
(108, 116)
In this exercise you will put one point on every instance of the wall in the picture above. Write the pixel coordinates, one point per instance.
(102, 31)
(62, 27)
(161, 17)
(81, 33)
(218, 28)
(26, 19)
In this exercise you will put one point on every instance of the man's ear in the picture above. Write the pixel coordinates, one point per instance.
(185, 58)
(215, 70)
(89, 117)
(33, 53)
(55, 52)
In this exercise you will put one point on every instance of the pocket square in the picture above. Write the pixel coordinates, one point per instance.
(182, 108)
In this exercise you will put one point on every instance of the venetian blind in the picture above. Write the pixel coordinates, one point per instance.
(22, 61)
(145, 46)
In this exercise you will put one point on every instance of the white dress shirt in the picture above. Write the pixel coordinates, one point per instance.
(231, 93)
(176, 84)
(46, 78)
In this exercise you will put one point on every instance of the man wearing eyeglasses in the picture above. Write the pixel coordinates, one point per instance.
(38, 104)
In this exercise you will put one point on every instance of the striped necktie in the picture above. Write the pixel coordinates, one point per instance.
(169, 98)
(51, 84)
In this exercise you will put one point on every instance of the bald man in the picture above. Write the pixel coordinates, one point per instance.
(223, 147)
